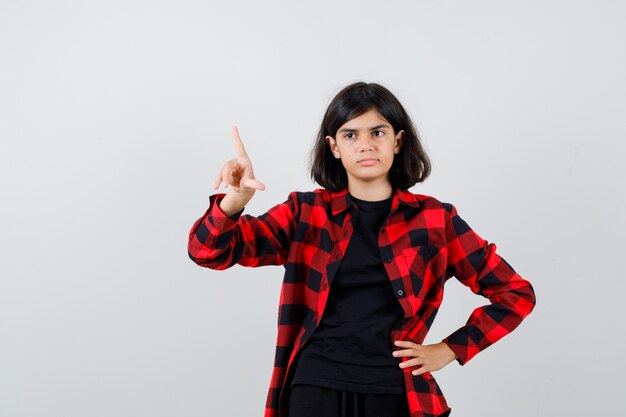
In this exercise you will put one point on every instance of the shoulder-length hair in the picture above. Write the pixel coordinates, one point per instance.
(409, 167)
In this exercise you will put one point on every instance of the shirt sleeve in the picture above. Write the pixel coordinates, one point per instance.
(475, 263)
(218, 241)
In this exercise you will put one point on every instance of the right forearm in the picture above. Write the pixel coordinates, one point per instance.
(234, 201)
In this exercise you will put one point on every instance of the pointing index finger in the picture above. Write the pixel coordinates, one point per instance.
(241, 151)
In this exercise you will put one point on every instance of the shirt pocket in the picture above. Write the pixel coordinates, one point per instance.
(426, 265)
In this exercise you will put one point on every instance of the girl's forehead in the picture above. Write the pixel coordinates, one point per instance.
(371, 117)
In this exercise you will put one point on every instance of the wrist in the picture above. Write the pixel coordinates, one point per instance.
(234, 201)
(451, 354)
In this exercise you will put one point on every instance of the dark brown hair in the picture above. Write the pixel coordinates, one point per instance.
(409, 167)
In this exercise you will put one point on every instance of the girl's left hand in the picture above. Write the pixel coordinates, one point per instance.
(430, 357)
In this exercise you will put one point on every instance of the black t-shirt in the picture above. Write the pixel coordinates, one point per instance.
(350, 349)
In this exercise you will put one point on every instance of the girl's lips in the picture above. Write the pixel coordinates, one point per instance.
(367, 162)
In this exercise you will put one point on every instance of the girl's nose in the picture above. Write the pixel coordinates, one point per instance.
(366, 144)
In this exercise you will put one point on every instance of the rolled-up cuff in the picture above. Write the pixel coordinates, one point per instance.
(217, 218)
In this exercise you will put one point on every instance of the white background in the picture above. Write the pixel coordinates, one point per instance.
(115, 118)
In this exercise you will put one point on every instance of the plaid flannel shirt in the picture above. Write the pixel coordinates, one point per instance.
(423, 242)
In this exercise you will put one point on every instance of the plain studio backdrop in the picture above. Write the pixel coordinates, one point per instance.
(115, 117)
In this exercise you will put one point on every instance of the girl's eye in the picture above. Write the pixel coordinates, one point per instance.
(375, 132)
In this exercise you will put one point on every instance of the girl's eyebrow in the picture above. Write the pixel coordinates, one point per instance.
(356, 130)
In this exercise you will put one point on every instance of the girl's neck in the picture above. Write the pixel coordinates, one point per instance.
(369, 192)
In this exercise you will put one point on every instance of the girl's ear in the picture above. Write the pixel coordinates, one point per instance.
(398, 141)
(333, 146)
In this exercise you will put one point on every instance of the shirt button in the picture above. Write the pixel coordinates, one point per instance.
(388, 260)
(383, 230)
(400, 292)
(404, 320)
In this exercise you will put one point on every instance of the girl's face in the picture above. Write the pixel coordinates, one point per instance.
(366, 146)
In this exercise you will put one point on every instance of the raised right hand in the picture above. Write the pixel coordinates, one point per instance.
(238, 171)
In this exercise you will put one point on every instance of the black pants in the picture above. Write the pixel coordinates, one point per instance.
(313, 401)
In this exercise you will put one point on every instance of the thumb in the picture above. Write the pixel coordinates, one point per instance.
(253, 183)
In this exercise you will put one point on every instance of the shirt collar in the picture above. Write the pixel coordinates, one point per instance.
(340, 200)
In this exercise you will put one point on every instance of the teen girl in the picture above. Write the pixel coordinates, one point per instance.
(365, 266)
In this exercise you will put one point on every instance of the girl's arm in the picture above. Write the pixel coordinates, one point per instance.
(475, 263)
(219, 241)
(223, 237)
